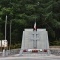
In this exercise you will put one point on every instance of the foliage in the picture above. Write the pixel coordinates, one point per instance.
(23, 14)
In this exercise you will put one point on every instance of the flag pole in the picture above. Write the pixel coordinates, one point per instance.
(5, 26)
(5, 29)
(36, 26)
(4, 52)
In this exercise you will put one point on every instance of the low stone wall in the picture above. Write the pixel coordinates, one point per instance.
(58, 47)
(9, 52)
(54, 51)
(12, 52)
(0, 54)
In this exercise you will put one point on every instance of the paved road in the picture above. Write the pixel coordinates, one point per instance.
(31, 57)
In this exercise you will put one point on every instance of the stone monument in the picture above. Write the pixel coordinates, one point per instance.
(35, 41)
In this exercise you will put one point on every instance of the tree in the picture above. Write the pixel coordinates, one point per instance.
(23, 14)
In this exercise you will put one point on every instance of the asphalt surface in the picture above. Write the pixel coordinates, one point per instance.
(31, 57)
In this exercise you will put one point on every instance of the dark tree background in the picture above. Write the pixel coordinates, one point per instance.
(23, 13)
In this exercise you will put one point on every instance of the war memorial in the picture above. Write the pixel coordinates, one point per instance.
(35, 41)
(35, 46)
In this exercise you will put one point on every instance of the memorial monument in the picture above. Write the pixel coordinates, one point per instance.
(35, 41)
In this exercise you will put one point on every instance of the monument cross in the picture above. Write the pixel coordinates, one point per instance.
(35, 38)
